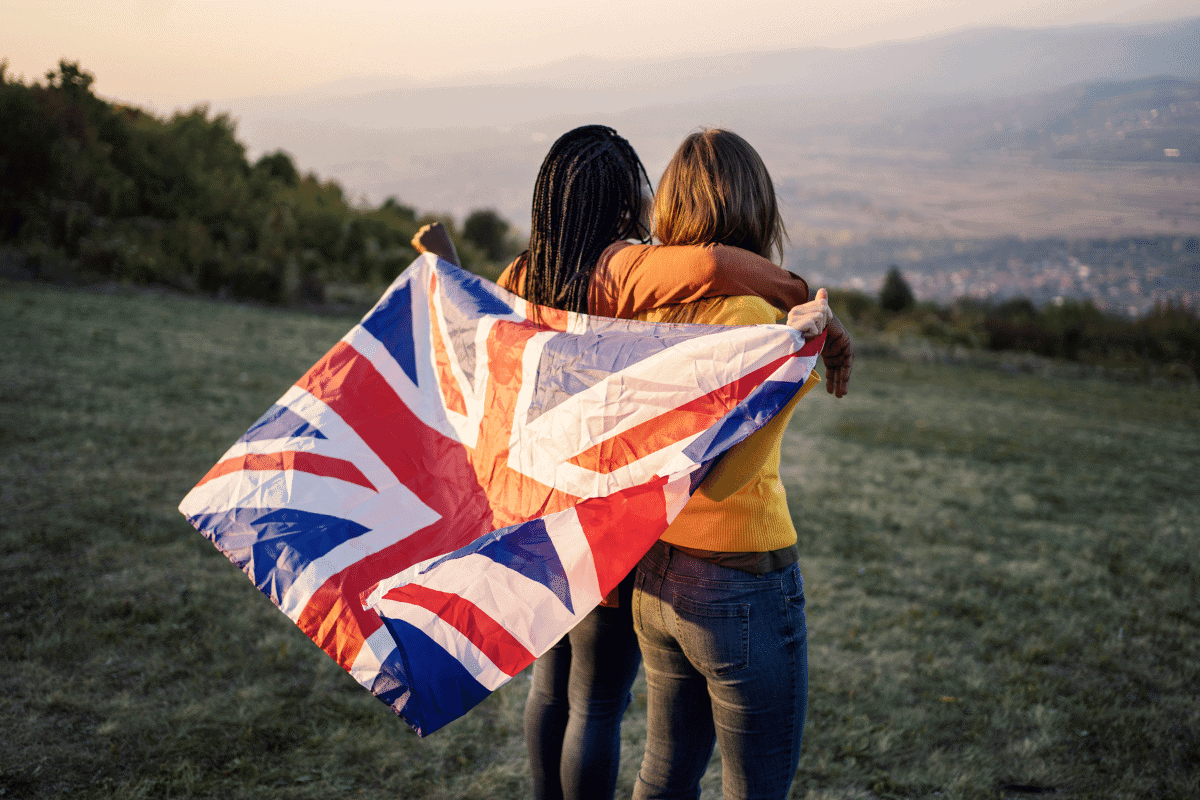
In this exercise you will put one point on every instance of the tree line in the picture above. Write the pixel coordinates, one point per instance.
(94, 190)
(1075, 330)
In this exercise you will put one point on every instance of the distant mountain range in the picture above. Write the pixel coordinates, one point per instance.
(980, 63)
(867, 143)
(1151, 119)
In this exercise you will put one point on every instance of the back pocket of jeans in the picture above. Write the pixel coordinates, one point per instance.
(714, 636)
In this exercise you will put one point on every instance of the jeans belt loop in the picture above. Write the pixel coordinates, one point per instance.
(660, 558)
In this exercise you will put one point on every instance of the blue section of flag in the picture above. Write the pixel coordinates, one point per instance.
(748, 416)
(446, 689)
(470, 294)
(280, 422)
(700, 474)
(391, 323)
(274, 545)
(525, 548)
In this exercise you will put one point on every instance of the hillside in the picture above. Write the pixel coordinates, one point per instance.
(1149, 119)
(999, 570)
(98, 191)
(983, 133)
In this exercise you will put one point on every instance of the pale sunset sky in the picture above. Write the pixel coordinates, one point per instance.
(165, 54)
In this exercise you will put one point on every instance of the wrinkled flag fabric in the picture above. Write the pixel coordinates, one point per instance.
(459, 480)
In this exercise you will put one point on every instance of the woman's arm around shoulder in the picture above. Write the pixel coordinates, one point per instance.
(634, 278)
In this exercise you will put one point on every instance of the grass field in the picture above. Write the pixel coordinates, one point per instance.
(1002, 578)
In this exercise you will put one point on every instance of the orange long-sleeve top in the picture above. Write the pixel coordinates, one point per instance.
(632, 278)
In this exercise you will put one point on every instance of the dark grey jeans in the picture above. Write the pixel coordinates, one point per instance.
(726, 659)
(577, 697)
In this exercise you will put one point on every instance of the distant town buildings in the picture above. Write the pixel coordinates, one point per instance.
(1125, 277)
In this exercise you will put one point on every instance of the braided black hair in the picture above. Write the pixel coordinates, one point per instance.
(590, 192)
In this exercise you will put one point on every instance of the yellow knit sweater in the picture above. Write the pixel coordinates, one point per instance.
(741, 506)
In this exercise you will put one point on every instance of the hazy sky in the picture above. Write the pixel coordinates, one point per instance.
(165, 54)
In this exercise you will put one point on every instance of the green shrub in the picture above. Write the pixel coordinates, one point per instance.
(118, 193)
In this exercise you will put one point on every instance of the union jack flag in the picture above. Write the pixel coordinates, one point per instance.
(459, 480)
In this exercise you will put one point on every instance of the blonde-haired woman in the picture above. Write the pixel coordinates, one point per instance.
(718, 602)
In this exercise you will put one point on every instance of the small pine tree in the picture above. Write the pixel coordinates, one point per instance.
(896, 295)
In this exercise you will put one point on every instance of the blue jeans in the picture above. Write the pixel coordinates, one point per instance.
(726, 657)
(578, 695)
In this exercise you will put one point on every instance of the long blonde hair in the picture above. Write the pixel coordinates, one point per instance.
(716, 190)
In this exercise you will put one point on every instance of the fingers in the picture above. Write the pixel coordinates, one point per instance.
(838, 355)
(822, 301)
(430, 231)
(809, 323)
(811, 318)
(837, 381)
(815, 316)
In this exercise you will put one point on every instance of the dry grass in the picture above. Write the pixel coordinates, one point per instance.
(1001, 571)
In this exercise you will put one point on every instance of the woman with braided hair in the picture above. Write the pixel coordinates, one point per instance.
(591, 191)
(591, 195)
